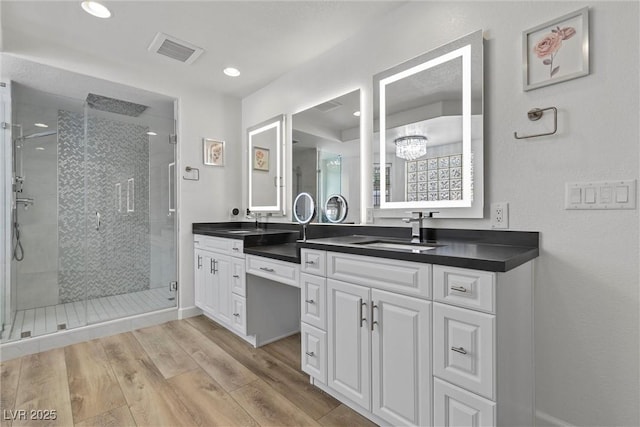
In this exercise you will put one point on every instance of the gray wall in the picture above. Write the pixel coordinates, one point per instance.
(118, 258)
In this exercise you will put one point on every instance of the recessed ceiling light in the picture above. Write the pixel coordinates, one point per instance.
(151, 133)
(96, 9)
(40, 148)
(41, 125)
(356, 113)
(231, 72)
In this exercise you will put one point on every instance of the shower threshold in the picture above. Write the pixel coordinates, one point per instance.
(45, 320)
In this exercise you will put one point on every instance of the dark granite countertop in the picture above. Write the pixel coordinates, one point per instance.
(455, 253)
(489, 250)
(284, 252)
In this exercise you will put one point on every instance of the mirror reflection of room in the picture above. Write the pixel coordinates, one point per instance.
(326, 153)
(429, 113)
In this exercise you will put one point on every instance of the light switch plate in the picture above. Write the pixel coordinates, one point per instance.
(600, 195)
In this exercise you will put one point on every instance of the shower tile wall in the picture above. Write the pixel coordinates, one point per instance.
(38, 271)
(118, 256)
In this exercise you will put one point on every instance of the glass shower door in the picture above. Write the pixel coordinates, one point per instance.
(131, 222)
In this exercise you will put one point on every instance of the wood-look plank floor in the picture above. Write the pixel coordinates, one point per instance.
(187, 372)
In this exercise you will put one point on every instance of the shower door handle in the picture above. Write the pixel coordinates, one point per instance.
(97, 220)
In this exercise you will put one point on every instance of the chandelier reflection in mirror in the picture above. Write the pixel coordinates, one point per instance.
(411, 147)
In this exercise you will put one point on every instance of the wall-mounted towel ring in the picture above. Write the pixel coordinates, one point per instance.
(535, 114)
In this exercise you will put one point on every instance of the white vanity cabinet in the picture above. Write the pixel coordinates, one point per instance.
(377, 341)
(401, 354)
(219, 279)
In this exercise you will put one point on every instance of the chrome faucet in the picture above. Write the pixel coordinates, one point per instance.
(416, 224)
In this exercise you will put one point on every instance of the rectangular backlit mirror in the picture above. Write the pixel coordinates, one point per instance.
(430, 130)
(266, 158)
(326, 155)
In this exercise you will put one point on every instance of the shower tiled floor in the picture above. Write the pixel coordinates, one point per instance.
(45, 320)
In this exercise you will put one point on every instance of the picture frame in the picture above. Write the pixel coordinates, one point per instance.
(261, 159)
(213, 152)
(556, 51)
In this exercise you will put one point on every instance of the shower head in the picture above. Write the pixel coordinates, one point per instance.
(38, 135)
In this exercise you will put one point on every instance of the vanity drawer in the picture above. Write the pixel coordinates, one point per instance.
(279, 271)
(313, 261)
(405, 277)
(463, 348)
(237, 248)
(314, 352)
(313, 292)
(456, 407)
(466, 288)
(238, 278)
(218, 244)
(239, 314)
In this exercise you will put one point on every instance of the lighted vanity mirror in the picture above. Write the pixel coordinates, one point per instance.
(429, 130)
(336, 209)
(326, 153)
(266, 166)
(304, 208)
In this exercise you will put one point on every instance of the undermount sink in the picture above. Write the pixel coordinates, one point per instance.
(397, 246)
(253, 230)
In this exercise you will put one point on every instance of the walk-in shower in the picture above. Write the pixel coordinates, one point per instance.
(25, 202)
(93, 226)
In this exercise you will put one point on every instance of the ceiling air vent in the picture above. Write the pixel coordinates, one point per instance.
(325, 107)
(174, 48)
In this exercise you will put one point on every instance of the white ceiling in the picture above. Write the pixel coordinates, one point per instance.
(264, 39)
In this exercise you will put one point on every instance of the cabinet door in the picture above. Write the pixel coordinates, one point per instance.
(198, 277)
(314, 295)
(238, 285)
(349, 341)
(401, 353)
(209, 283)
(222, 287)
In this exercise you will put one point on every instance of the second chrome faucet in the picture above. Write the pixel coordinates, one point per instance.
(416, 224)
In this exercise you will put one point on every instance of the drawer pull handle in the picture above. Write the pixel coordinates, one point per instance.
(196, 241)
(362, 319)
(235, 276)
(270, 270)
(235, 249)
(236, 314)
(460, 350)
(310, 301)
(310, 262)
(459, 288)
(373, 322)
(199, 262)
(310, 353)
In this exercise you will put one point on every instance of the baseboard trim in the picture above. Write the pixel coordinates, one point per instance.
(545, 420)
(186, 312)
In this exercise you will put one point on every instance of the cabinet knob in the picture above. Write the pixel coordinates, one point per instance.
(460, 350)
(310, 301)
(310, 353)
(459, 288)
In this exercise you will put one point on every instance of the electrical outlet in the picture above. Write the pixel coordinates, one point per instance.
(500, 215)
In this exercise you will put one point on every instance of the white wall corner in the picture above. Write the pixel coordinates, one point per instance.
(186, 312)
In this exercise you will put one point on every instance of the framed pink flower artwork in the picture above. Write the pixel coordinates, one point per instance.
(556, 51)
(261, 159)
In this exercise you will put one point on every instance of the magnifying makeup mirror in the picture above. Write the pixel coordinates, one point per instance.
(304, 209)
(336, 208)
